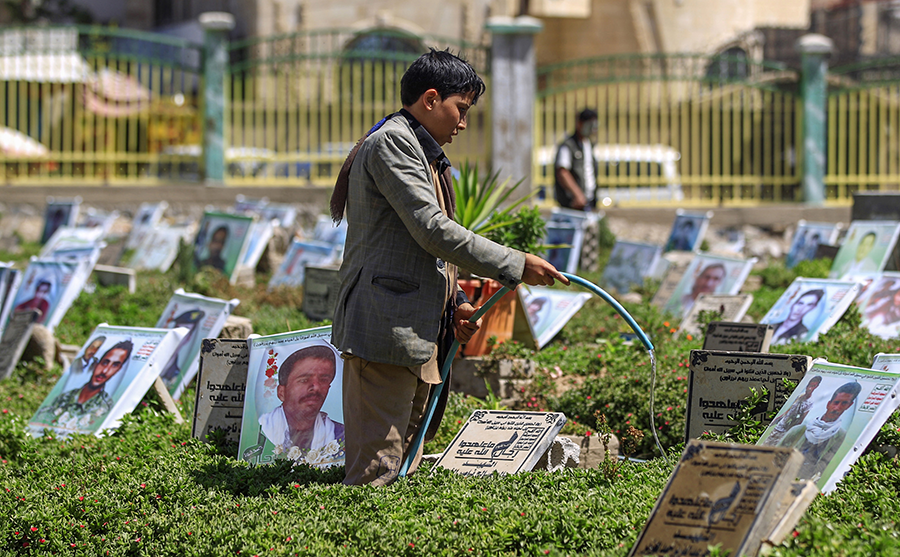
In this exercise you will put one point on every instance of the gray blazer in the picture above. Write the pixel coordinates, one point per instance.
(393, 278)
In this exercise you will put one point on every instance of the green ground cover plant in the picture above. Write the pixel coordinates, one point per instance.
(148, 488)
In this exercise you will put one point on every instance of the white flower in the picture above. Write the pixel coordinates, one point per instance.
(332, 448)
(278, 449)
(295, 453)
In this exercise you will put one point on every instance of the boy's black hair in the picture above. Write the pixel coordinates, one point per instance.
(440, 70)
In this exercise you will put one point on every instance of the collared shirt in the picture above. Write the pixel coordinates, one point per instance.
(433, 151)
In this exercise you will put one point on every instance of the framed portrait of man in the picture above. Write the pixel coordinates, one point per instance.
(203, 317)
(159, 248)
(629, 264)
(808, 308)
(807, 238)
(146, 219)
(547, 310)
(106, 380)
(688, 230)
(301, 254)
(221, 242)
(867, 248)
(707, 274)
(50, 286)
(831, 417)
(879, 305)
(59, 212)
(293, 408)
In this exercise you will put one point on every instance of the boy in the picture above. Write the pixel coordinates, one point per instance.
(398, 294)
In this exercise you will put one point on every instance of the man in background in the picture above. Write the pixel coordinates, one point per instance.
(575, 168)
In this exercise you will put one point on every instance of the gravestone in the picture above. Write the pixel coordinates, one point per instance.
(875, 206)
(720, 494)
(794, 503)
(502, 441)
(678, 264)
(825, 251)
(720, 382)
(112, 253)
(15, 338)
(320, 290)
(221, 383)
(107, 275)
(738, 337)
(729, 307)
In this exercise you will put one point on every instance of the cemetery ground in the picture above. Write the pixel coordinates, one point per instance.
(148, 488)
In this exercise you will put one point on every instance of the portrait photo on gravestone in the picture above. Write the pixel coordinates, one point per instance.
(293, 408)
(707, 274)
(867, 248)
(203, 317)
(221, 241)
(808, 308)
(832, 415)
(118, 375)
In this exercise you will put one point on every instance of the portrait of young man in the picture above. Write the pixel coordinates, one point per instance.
(399, 300)
(82, 407)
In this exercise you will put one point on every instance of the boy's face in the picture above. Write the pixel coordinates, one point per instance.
(445, 118)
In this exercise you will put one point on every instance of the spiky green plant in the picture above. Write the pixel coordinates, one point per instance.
(477, 200)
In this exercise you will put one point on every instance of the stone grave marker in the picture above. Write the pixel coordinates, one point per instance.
(501, 441)
(720, 382)
(320, 290)
(825, 251)
(738, 337)
(677, 267)
(871, 205)
(729, 307)
(108, 275)
(15, 338)
(221, 383)
(719, 494)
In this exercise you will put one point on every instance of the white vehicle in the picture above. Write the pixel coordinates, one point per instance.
(637, 182)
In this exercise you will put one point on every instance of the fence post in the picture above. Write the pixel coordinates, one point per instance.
(216, 26)
(513, 87)
(814, 50)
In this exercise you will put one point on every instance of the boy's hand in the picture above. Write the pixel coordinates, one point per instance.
(463, 330)
(541, 273)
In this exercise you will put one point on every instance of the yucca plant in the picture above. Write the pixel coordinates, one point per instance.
(477, 200)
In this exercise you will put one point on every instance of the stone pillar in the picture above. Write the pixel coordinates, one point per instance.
(814, 50)
(512, 90)
(216, 26)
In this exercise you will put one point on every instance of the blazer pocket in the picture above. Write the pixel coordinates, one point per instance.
(396, 285)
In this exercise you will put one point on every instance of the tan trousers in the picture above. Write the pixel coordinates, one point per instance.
(383, 407)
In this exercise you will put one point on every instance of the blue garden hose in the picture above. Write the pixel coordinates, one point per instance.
(445, 369)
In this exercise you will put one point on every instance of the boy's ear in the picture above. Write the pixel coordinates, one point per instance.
(429, 98)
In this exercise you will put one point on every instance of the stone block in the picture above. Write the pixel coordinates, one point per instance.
(591, 451)
(107, 275)
(237, 327)
(563, 453)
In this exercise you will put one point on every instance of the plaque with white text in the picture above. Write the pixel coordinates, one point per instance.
(502, 441)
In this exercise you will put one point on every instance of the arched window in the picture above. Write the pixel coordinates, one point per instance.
(729, 65)
(372, 64)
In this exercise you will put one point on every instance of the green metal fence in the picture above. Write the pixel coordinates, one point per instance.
(95, 105)
(863, 149)
(299, 102)
(676, 130)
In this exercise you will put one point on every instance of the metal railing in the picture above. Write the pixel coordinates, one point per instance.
(95, 105)
(723, 124)
(299, 102)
